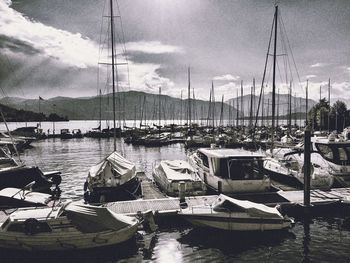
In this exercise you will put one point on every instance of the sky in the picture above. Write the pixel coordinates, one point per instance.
(58, 47)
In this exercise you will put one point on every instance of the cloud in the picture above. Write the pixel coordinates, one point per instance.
(152, 47)
(310, 76)
(69, 48)
(146, 77)
(227, 77)
(318, 65)
(348, 68)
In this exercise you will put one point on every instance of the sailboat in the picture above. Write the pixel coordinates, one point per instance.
(113, 178)
(286, 164)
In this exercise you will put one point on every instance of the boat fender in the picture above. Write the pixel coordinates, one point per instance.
(31, 226)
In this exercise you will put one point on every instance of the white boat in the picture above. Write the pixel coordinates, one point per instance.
(15, 198)
(231, 170)
(68, 227)
(287, 165)
(169, 174)
(112, 178)
(230, 214)
(336, 151)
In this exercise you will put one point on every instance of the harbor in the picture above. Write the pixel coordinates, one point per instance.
(330, 221)
(165, 131)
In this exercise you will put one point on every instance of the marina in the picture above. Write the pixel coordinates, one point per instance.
(132, 137)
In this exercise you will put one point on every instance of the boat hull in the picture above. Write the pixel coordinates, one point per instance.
(62, 240)
(236, 224)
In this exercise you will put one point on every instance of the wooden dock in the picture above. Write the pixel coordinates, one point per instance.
(165, 206)
(148, 188)
(171, 205)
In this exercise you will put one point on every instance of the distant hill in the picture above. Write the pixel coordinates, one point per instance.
(298, 104)
(130, 103)
(12, 114)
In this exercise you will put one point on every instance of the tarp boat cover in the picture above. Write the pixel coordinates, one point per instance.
(178, 170)
(112, 171)
(92, 219)
(228, 204)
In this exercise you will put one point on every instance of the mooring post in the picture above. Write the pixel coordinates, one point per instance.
(307, 166)
(182, 194)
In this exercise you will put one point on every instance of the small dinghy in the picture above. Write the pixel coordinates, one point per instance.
(169, 174)
(230, 214)
(68, 227)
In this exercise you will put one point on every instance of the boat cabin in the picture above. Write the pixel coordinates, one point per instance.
(237, 164)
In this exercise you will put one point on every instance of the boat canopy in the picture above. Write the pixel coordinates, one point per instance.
(230, 153)
(177, 170)
(225, 203)
(92, 219)
(114, 166)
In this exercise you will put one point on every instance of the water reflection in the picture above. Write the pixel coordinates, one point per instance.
(306, 240)
(124, 252)
(233, 242)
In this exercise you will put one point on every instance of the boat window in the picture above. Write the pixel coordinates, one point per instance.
(342, 154)
(204, 159)
(235, 169)
(335, 153)
(326, 151)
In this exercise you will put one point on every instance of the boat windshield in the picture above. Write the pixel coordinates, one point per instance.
(335, 153)
(238, 169)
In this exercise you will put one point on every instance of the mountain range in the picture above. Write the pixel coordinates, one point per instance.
(136, 105)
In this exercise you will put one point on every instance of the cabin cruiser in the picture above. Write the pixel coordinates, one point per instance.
(168, 175)
(287, 165)
(113, 178)
(70, 226)
(336, 151)
(231, 170)
(230, 214)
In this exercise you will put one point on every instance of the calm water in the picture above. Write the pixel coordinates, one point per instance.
(324, 240)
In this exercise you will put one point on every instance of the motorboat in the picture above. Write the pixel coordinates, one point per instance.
(287, 165)
(15, 198)
(230, 214)
(15, 174)
(336, 151)
(69, 226)
(169, 174)
(231, 170)
(113, 178)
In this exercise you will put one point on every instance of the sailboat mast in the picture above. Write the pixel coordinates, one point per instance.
(213, 103)
(290, 107)
(329, 102)
(274, 80)
(100, 117)
(113, 77)
(242, 109)
(251, 107)
(181, 109)
(189, 97)
(307, 102)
